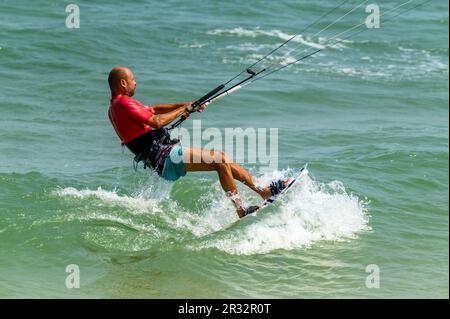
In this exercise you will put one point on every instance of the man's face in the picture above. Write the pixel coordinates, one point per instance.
(130, 83)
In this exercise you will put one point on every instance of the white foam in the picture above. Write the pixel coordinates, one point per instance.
(310, 212)
(209, 221)
(151, 229)
(299, 46)
(217, 214)
(418, 63)
(241, 32)
(408, 63)
(246, 47)
(137, 204)
(193, 45)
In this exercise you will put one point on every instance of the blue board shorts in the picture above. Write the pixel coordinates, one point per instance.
(174, 164)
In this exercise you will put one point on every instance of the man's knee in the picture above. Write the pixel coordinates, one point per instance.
(221, 160)
(223, 157)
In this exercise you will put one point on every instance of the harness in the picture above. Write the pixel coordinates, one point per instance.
(152, 148)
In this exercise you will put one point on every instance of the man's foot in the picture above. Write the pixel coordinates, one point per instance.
(274, 188)
(244, 212)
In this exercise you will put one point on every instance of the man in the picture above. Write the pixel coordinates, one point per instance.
(141, 129)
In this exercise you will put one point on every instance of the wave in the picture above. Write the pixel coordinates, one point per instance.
(307, 41)
(241, 32)
(310, 212)
(194, 45)
(396, 63)
(137, 204)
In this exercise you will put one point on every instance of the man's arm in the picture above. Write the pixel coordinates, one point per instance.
(159, 120)
(167, 107)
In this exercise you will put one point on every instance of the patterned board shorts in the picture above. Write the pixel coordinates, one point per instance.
(168, 160)
(174, 164)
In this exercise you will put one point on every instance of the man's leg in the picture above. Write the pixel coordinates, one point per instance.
(205, 160)
(240, 174)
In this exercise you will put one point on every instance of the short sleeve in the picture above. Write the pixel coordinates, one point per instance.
(137, 112)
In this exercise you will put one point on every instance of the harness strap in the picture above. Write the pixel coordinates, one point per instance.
(162, 138)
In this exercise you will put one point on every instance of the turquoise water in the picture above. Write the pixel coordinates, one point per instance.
(369, 115)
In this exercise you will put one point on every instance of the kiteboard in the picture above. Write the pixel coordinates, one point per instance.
(291, 182)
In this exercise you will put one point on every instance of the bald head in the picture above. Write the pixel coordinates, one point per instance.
(121, 81)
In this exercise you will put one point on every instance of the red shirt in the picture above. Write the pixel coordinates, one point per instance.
(129, 117)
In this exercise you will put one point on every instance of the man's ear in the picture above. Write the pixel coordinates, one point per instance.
(123, 83)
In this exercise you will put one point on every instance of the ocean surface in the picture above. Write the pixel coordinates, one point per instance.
(369, 115)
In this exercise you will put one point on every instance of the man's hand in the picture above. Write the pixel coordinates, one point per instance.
(190, 108)
(201, 107)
